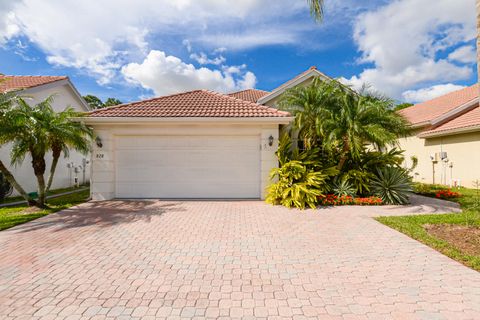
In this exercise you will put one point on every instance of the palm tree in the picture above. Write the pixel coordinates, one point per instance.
(316, 9)
(64, 135)
(341, 121)
(36, 130)
(7, 128)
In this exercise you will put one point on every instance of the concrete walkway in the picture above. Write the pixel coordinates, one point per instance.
(228, 260)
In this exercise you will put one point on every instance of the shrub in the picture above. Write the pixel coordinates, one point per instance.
(342, 187)
(447, 194)
(392, 185)
(297, 186)
(369, 201)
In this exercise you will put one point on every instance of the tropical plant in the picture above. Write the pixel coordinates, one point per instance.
(316, 9)
(297, 185)
(7, 127)
(342, 187)
(36, 130)
(392, 185)
(5, 188)
(64, 135)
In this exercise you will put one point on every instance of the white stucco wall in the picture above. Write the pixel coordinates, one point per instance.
(103, 159)
(463, 150)
(64, 177)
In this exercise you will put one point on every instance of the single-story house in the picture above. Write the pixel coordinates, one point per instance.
(197, 144)
(447, 138)
(36, 89)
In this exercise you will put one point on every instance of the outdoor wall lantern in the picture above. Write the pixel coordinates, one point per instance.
(270, 140)
(98, 141)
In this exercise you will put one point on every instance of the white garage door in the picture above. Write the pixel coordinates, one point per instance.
(187, 167)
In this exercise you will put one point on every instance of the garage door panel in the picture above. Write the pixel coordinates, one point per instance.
(188, 167)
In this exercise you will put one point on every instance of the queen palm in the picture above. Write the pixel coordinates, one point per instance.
(316, 9)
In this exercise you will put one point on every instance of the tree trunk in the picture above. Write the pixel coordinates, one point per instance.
(11, 179)
(38, 164)
(344, 157)
(55, 156)
(478, 45)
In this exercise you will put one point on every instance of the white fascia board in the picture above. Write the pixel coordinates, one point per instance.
(278, 91)
(186, 120)
(449, 132)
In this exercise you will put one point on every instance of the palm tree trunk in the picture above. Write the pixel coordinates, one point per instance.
(11, 179)
(55, 156)
(38, 164)
(41, 190)
(344, 157)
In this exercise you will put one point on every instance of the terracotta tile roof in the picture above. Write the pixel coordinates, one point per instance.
(11, 83)
(198, 103)
(470, 119)
(429, 110)
(249, 95)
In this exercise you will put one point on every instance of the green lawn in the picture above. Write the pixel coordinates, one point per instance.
(12, 216)
(50, 193)
(413, 226)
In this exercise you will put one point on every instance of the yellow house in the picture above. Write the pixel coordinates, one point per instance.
(447, 138)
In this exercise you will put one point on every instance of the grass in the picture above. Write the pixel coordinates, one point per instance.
(50, 193)
(413, 226)
(12, 216)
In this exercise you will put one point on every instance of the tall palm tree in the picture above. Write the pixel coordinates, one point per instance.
(316, 9)
(7, 128)
(341, 121)
(64, 135)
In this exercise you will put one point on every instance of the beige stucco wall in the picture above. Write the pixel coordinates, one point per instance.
(463, 151)
(64, 176)
(103, 159)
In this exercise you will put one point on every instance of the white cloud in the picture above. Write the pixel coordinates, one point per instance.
(101, 36)
(465, 54)
(168, 74)
(425, 94)
(403, 38)
(202, 58)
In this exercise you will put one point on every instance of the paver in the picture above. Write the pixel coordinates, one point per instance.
(221, 259)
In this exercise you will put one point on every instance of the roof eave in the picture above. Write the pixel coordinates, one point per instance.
(448, 132)
(186, 120)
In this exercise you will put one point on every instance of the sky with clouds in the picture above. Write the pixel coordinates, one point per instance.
(410, 50)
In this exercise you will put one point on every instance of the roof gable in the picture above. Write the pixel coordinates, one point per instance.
(468, 121)
(198, 103)
(302, 77)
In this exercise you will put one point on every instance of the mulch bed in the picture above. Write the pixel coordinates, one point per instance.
(465, 238)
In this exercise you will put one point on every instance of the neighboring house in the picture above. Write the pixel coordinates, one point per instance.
(447, 138)
(36, 89)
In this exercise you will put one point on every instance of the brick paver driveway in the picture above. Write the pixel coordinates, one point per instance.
(158, 259)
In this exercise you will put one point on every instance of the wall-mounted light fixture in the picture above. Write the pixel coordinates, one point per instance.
(98, 141)
(270, 140)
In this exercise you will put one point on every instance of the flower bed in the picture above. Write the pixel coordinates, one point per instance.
(447, 194)
(333, 200)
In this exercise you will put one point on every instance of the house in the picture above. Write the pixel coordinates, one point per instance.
(36, 89)
(447, 138)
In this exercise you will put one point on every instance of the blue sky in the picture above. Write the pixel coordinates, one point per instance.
(410, 50)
